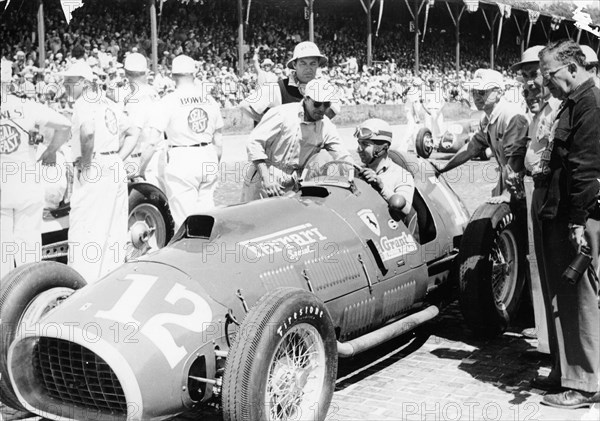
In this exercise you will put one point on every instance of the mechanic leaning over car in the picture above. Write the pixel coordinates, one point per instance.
(304, 63)
(192, 121)
(544, 108)
(99, 204)
(288, 136)
(570, 224)
(395, 184)
(138, 106)
(22, 192)
(503, 128)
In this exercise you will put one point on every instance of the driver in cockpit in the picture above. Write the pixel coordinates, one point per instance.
(395, 184)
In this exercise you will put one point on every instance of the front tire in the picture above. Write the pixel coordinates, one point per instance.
(424, 143)
(283, 363)
(26, 294)
(491, 263)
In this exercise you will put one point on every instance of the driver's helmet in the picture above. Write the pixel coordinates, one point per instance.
(374, 129)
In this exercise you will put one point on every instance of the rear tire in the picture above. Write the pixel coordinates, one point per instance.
(492, 269)
(46, 284)
(149, 204)
(283, 363)
(424, 143)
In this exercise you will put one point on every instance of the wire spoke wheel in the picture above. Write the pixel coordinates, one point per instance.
(504, 272)
(296, 374)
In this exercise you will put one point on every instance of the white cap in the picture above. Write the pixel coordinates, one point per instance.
(307, 49)
(321, 90)
(80, 69)
(487, 79)
(590, 55)
(135, 62)
(267, 62)
(530, 55)
(183, 65)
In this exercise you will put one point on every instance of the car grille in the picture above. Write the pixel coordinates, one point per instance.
(75, 375)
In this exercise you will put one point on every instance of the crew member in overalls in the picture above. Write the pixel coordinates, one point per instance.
(99, 205)
(192, 122)
(22, 194)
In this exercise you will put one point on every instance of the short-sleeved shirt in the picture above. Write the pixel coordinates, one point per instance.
(19, 117)
(396, 180)
(539, 134)
(139, 106)
(188, 116)
(107, 118)
(285, 140)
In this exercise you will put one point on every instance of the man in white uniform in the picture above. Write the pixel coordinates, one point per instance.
(22, 194)
(99, 205)
(139, 105)
(287, 138)
(192, 122)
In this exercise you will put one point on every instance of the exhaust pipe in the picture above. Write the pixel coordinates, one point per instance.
(384, 334)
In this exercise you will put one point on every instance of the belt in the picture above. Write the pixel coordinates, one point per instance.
(196, 145)
(108, 153)
(136, 155)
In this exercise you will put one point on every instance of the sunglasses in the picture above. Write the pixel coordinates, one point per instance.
(319, 104)
(480, 92)
(364, 133)
(550, 73)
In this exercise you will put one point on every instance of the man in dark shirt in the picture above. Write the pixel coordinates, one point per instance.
(303, 65)
(573, 184)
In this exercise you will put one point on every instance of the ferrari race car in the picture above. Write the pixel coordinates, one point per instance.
(452, 138)
(250, 306)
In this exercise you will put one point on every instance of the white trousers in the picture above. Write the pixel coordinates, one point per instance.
(22, 206)
(189, 177)
(98, 218)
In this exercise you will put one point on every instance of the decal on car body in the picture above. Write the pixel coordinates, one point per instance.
(370, 220)
(298, 239)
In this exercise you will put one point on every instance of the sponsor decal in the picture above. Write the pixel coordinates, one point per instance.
(294, 242)
(110, 121)
(370, 220)
(391, 248)
(10, 139)
(393, 224)
(198, 120)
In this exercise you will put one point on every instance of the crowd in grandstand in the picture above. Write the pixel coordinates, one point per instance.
(208, 34)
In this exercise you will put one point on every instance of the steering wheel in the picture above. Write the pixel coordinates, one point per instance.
(341, 162)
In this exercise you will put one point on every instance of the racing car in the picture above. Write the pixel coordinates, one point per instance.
(451, 138)
(250, 306)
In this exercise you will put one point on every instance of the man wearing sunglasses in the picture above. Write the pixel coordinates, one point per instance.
(544, 109)
(286, 139)
(503, 128)
(394, 183)
(569, 218)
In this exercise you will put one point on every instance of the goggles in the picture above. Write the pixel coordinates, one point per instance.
(364, 133)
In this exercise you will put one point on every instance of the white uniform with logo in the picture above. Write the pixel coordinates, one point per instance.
(189, 165)
(99, 205)
(22, 192)
(139, 106)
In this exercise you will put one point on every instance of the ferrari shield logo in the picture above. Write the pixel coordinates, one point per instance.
(198, 120)
(370, 220)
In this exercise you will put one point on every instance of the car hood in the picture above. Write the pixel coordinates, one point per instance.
(147, 321)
